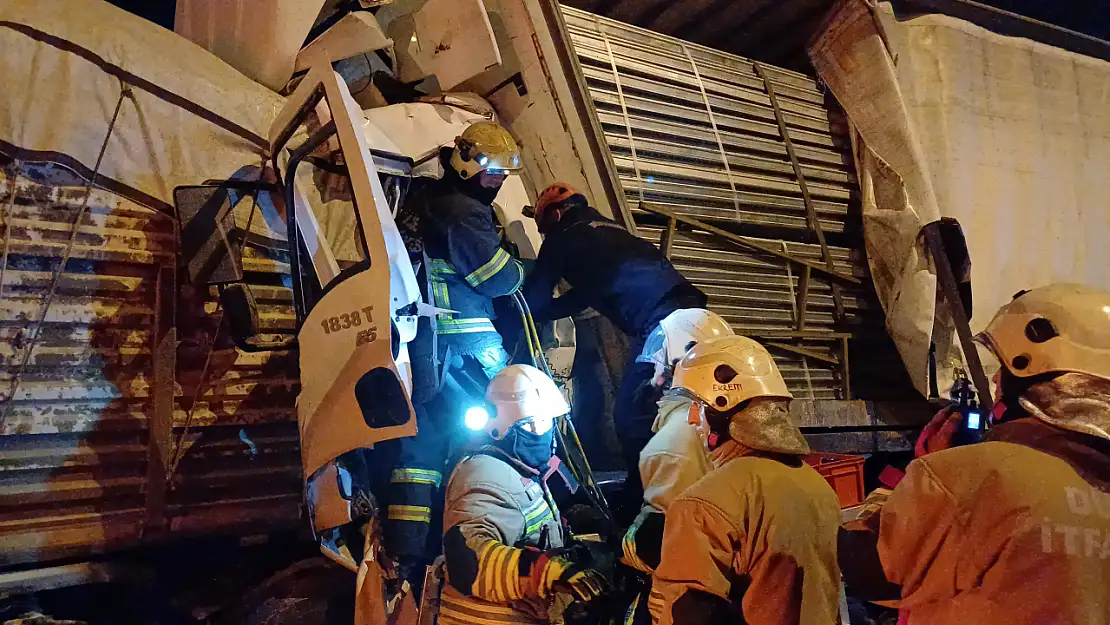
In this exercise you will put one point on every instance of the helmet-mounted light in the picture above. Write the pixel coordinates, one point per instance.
(476, 418)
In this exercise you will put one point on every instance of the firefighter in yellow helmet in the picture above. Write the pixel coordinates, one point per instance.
(503, 533)
(450, 233)
(754, 541)
(1014, 530)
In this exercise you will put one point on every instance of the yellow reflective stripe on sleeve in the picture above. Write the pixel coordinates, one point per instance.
(419, 514)
(455, 610)
(628, 546)
(656, 603)
(464, 326)
(480, 587)
(416, 476)
(441, 267)
(497, 578)
(490, 269)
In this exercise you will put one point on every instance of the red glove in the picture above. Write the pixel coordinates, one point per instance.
(938, 434)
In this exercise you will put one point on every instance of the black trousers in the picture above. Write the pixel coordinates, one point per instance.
(419, 465)
(634, 415)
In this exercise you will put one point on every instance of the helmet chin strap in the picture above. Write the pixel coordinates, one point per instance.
(718, 426)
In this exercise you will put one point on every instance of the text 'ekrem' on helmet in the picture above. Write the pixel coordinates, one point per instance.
(724, 372)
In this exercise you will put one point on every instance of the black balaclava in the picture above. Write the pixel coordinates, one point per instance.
(532, 450)
(1012, 388)
(472, 187)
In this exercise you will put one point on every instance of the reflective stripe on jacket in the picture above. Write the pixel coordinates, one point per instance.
(673, 460)
(1002, 532)
(468, 266)
(496, 521)
(756, 528)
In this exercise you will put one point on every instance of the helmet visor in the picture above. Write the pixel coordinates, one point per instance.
(498, 164)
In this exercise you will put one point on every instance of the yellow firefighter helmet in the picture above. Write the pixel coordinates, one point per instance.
(485, 146)
(1058, 328)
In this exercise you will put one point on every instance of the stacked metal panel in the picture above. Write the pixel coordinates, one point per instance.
(693, 131)
(83, 456)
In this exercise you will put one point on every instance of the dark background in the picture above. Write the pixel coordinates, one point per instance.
(1091, 17)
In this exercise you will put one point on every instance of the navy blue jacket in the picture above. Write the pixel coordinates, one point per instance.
(609, 269)
(467, 265)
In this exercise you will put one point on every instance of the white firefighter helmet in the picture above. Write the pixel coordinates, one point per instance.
(1059, 328)
(519, 393)
(485, 146)
(723, 374)
(678, 332)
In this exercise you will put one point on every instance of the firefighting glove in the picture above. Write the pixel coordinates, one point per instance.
(552, 573)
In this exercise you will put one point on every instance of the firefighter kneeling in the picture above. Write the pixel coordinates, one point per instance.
(503, 530)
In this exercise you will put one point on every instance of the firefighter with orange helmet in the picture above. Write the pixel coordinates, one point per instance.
(1015, 529)
(623, 277)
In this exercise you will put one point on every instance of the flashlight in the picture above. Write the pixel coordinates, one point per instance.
(476, 418)
(482, 160)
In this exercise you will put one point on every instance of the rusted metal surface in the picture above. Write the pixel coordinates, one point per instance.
(106, 390)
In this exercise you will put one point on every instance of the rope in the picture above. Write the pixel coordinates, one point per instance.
(716, 133)
(125, 92)
(179, 444)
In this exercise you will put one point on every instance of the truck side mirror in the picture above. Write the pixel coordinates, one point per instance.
(212, 253)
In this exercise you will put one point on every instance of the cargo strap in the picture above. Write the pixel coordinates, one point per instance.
(811, 210)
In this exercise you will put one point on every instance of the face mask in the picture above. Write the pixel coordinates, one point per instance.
(533, 450)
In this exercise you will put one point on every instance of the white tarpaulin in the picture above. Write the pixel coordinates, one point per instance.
(189, 116)
(1009, 136)
(260, 38)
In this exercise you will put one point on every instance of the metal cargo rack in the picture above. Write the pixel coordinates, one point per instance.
(743, 175)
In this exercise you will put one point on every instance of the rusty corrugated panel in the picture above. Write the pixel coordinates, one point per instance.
(73, 450)
(75, 441)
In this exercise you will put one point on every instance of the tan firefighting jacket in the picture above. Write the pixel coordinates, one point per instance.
(495, 509)
(673, 460)
(757, 529)
(1003, 533)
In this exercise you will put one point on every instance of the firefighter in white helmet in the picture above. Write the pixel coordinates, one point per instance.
(754, 541)
(503, 532)
(675, 457)
(1015, 529)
